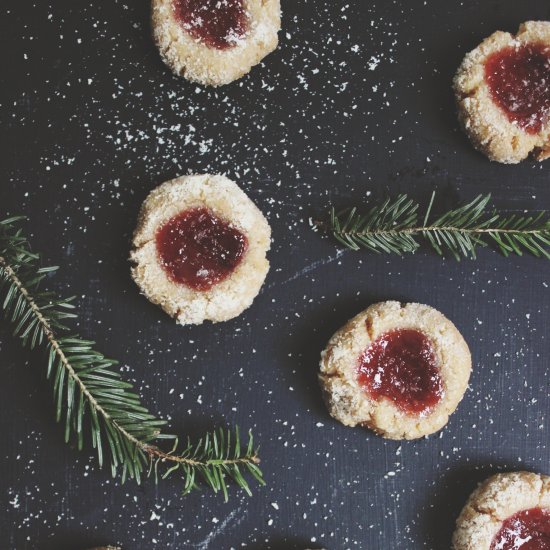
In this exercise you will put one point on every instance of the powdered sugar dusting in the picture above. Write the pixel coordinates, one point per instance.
(93, 121)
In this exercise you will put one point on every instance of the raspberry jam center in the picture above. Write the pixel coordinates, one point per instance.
(519, 81)
(526, 530)
(217, 23)
(198, 249)
(401, 365)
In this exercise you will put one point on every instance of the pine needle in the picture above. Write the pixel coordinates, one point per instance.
(91, 399)
(394, 227)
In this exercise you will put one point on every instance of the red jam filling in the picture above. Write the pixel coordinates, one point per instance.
(401, 365)
(519, 81)
(526, 530)
(198, 249)
(217, 23)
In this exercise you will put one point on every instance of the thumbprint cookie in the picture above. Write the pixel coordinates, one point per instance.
(506, 512)
(398, 369)
(502, 90)
(199, 249)
(215, 42)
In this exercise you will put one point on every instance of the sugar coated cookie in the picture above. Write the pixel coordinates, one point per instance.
(215, 42)
(399, 369)
(502, 90)
(506, 512)
(199, 249)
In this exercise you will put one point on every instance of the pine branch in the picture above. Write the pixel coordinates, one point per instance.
(91, 398)
(394, 227)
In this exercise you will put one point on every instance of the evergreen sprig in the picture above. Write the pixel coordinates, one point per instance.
(92, 400)
(394, 227)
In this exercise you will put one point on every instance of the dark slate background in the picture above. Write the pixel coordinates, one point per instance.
(355, 105)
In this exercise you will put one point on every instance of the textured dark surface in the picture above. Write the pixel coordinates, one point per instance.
(354, 105)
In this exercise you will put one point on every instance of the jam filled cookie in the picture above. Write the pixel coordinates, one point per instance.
(507, 512)
(399, 369)
(215, 42)
(199, 250)
(503, 94)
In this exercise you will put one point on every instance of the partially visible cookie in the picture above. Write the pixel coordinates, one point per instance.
(399, 369)
(215, 42)
(502, 89)
(506, 512)
(199, 249)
